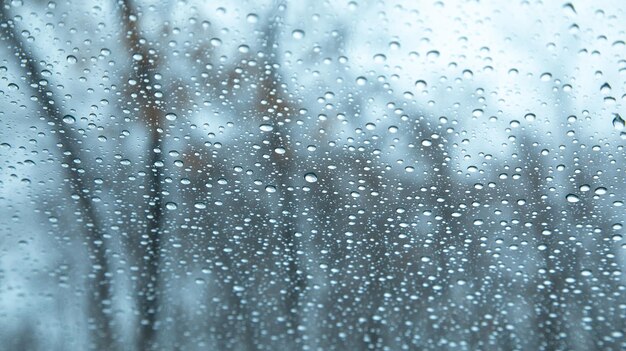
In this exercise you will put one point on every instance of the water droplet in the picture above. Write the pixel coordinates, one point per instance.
(569, 9)
(545, 77)
(216, 42)
(199, 205)
(380, 58)
(361, 80)
(530, 117)
(252, 18)
(297, 34)
(244, 49)
(420, 85)
(600, 190)
(618, 122)
(171, 116)
(433, 54)
(69, 119)
(477, 113)
(266, 127)
(71, 59)
(572, 198)
(310, 177)
(171, 206)
(270, 189)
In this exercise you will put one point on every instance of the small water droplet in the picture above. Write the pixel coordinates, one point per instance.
(171, 116)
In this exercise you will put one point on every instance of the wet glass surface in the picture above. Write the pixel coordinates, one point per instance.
(306, 175)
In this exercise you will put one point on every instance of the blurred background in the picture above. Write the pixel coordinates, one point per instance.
(312, 175)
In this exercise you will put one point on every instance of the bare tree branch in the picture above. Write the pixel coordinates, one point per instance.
(100, 297)
(152, 116)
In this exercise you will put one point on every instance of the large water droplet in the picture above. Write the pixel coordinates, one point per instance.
(618, 122)
(297, 34)
(266, 127)
(572, 198)
(252, 18)
(310, 177)
(69, 119)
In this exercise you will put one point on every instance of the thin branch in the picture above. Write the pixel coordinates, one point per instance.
(152, 116)
(279, 106)
(94, 234)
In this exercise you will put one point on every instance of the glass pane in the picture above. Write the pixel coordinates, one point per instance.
(306, 175)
